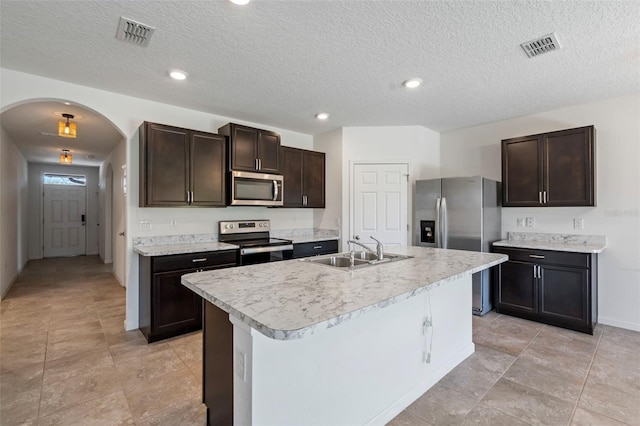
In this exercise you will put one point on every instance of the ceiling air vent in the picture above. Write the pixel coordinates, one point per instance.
(134, 32)
(541, 45)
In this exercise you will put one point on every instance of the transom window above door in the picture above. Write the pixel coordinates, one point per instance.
(57, 179)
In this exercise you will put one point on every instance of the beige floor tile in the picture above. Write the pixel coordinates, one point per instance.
(625, 340)
(485, 415)
(18, 361)
(22, 410)
(501, 341)
(78, 389)
(76, 345)
(74, 331)
(546, 378)
(15, 383)
(136, 374)
(163, 393)
(439, 406)
(190, 413)
(584, 417)
(611, 401)
(61, 369)
(189, 352)
(111, 409)
(527, 404)
(407, 418)
(135, 349)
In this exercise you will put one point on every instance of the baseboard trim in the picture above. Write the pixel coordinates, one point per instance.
(620, 324)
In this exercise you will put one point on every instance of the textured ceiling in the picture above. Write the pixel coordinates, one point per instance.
(278, 63)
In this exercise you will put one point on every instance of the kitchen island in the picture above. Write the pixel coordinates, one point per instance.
(301, 343)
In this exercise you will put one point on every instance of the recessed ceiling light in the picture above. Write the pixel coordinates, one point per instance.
(322, 116)
(178, 75)
(240, 2)
(412, 83)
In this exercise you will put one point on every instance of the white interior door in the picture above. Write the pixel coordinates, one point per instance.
(380, 204)
(64, 227)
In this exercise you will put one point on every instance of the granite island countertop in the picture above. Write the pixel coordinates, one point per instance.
(554, 242)
(290, 299)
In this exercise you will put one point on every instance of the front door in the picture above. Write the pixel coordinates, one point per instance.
(64, 220)
(380, 204)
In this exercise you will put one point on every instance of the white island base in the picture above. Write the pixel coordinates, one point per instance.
(363, 371)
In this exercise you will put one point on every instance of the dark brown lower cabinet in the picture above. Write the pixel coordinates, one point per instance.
(166, 307)
(556, 288)
(315, 248)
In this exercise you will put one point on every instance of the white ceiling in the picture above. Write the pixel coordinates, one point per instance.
(278, 63)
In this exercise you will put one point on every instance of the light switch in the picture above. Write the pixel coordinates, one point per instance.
(530, 222)
(520, 222)
(578, 223)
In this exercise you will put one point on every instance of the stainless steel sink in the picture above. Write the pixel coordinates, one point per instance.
(362, 259)
(337, 261)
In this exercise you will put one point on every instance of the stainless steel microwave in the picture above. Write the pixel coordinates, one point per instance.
(255, 189)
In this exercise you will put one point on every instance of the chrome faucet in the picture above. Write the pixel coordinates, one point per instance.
(379, 248)
(379, 251)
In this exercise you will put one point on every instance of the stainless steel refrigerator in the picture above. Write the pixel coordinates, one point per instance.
(461, 213)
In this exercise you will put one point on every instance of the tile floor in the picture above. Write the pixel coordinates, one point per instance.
(65, 359)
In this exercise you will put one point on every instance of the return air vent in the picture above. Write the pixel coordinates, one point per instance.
(134, 32)
(541, 45)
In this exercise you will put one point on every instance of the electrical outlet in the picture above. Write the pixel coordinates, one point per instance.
(530, 222)
(173, 223)
(578, 223)
(241, 361)
(145, 225)
(520, 222)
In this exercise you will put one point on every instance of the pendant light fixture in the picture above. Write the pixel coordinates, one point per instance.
(65, 157)
(67, 129)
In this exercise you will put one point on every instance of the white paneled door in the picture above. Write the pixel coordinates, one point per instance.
(64, 224)
(380, 204)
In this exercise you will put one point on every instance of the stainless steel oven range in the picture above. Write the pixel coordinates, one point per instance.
(256, 245)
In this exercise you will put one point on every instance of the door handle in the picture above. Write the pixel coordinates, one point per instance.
(122, 234)
(82, 218)
(275, 190)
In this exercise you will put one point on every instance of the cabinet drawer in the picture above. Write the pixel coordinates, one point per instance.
(200, 260)
(578, 260)
(315, 248)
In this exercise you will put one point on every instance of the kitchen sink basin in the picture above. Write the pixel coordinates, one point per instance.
(361, 260)
(337, 261)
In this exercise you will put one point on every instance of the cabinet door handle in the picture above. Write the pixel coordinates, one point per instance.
(317, 247)
(202, 259)
(544, 197)
(259, 163)
(536, 256)
(540, 197)
(255, 164)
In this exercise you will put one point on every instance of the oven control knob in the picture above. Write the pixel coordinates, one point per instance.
(261, 224)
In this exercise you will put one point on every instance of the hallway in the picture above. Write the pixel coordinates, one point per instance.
(66, 359)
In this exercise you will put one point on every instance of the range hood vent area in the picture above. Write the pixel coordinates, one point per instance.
(134, 32)
(541, 45)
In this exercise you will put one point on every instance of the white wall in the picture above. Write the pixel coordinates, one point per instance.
(127, 113)
(13, 205)
(114, 218)
(36, 171)
(476, 150)
(415, 145)
(331, 144)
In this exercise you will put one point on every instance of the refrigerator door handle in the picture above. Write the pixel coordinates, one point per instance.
(443, 222)
(438, 229)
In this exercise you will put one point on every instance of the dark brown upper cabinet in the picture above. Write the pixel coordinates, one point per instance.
(252, 150)
(304, 175)
(181, 167)
(554, 169)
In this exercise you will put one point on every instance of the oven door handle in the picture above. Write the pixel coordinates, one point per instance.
(267, 249)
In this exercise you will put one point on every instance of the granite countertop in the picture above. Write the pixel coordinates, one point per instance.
(554, 242)
(290, 299)
(182, 248)
(195, 243)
